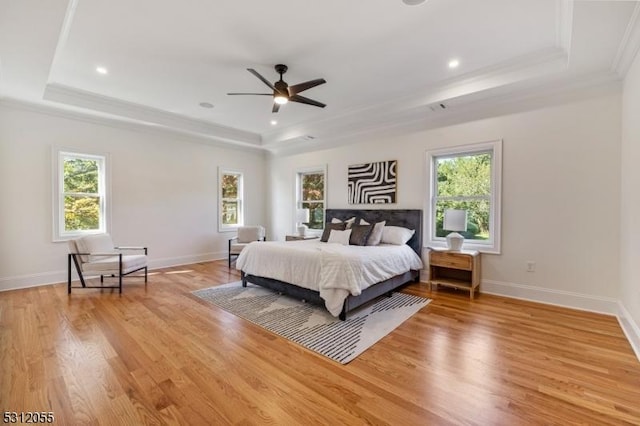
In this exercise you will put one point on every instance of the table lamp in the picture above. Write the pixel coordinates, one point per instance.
(302, 215)
(455, 220)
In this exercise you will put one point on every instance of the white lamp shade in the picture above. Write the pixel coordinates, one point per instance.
(302, 215)
(455, 220)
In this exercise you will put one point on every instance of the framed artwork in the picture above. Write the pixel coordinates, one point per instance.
(372, 183)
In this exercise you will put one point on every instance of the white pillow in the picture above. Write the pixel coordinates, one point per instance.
(375, 237)
(340, 237)
(349, 222)
(396, 235)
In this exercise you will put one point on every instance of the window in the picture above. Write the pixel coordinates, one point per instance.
(231, 207)
(81, 197)
(467, 178)
(310, 194)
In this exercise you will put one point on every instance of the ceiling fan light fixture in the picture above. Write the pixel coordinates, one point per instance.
(282, 93)
(280, 99)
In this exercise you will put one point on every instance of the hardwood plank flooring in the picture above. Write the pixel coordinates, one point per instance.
(158, 355)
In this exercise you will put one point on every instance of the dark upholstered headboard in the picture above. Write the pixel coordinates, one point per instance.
(411, 219)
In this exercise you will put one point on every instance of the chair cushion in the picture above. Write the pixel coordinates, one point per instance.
(246, 234)
(109, 264)
(237, 248)
(98, 243)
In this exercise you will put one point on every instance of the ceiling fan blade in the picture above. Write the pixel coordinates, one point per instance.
(260, 94)
(276, 108)
(264, 80)
(303, 100)
(301, 87)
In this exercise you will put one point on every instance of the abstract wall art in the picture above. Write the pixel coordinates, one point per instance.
(372, 183)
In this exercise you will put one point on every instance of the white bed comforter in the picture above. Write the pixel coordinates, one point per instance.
(334, 270)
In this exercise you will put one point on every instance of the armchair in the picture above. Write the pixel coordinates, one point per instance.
(246, 235)
(97, 255)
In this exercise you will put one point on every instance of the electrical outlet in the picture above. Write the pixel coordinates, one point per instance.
(531, 266)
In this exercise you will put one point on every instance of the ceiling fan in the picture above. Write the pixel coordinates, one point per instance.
(283, 93)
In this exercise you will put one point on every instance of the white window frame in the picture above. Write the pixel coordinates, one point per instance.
(492, 245)
(240, 199)
(104, 175)
(298, 196)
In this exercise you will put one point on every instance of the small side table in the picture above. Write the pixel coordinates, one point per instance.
(300, 237)
(457, 269)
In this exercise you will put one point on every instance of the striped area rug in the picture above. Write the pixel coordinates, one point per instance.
(313, 326)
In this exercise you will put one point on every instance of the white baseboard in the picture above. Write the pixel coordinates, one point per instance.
(55, 277)
(584, 302)
(567, 299)
(630, 329)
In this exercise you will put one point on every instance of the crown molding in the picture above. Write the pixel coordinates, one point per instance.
(534, 65)
(629, 45)
(564, 29)
(500, 101)
(64, 34)
(84, 99)
(530, 67)
(121, 123)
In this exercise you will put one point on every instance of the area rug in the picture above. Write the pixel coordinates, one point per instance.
(313, 326)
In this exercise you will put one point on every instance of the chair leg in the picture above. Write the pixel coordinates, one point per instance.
(120, 276)
(78, 269)
(101, 278)
(145, 274)
(69, 274)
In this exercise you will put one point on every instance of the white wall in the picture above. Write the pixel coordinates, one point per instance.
(164, 193)
(561, 195)
(630, 206)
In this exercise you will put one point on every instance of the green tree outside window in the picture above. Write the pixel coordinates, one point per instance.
(231, 202)
(312, 198)
(464, 182)
(81, 192)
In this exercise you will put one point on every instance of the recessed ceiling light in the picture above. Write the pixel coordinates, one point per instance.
(206, 105)
(101, 70)
(413, 2)
(274, 122)
(454, 63)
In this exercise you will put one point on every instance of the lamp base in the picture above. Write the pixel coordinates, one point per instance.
(455, 241)
(302, 230)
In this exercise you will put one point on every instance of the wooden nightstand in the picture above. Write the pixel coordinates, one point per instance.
(458, 269)
(300, 237)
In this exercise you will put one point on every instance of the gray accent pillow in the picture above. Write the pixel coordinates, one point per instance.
(328, 227)
(376, 234)
(360, 234)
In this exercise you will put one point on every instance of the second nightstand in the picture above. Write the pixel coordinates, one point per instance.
(457, 269)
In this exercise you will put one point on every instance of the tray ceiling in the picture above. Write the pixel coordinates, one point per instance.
(384, 62)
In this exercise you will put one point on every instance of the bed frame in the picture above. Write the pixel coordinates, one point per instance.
(411, 219)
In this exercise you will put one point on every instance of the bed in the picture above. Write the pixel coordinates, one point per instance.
(281, 255)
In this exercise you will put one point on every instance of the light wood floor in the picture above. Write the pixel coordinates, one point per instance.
(158, 355)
